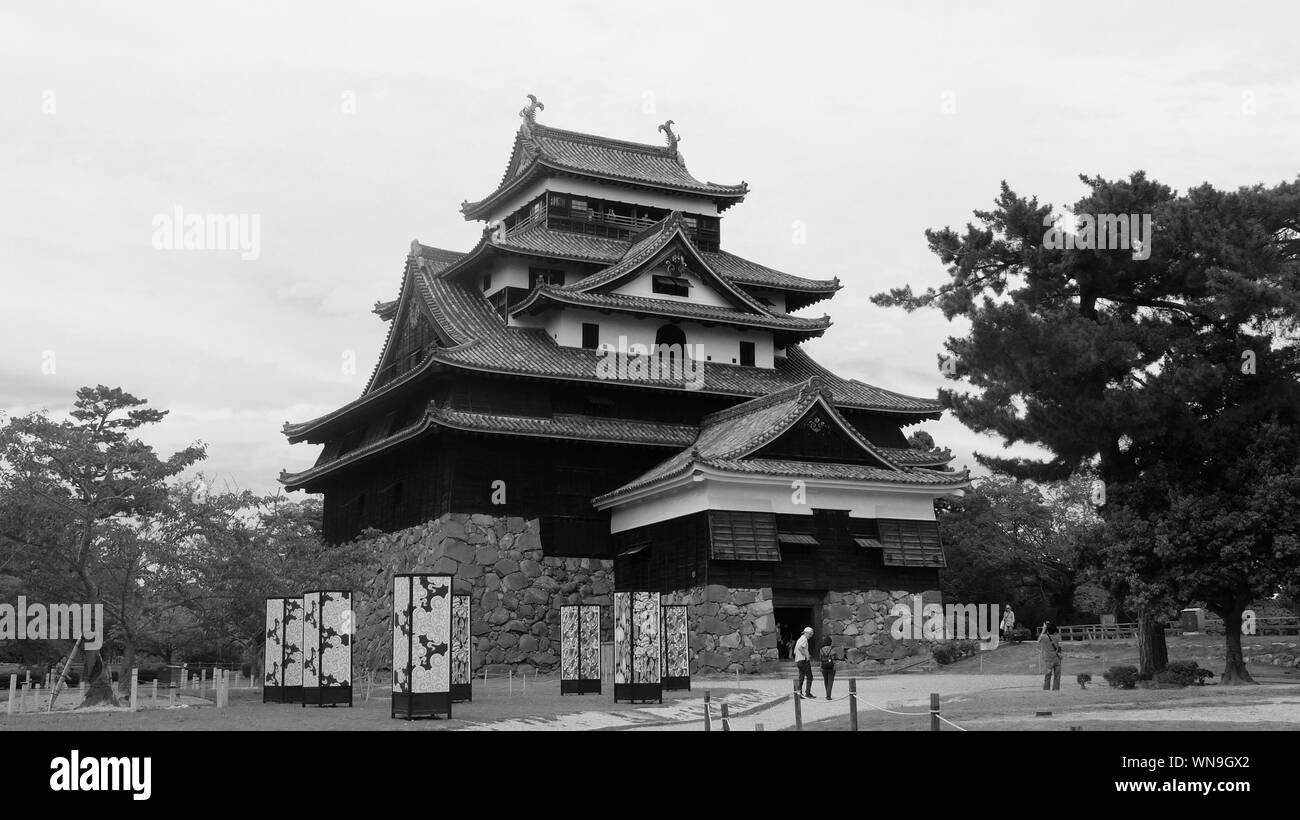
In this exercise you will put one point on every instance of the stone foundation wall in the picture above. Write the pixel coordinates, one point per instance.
(734, 630)
(731, 629)
(515, 591)
(858, 624)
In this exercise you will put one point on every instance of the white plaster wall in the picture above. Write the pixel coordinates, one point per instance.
(911, 505)
(720, 343)
(702, 293)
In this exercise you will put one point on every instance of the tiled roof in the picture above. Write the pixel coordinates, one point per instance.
(560, 425)
(482, 341)
(625, 303)
(528, 351)
(541, 241)
(917, 458)
(539, 149)
(853, 472)
(728, 436)
(564, 245)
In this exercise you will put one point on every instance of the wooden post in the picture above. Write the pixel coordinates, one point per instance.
(708, 718)
(13, 686)
(512, 683)
(853, 704)
(153, 697)
(523, 688)
(798, 708)
(203, 684)
(934, 711)
(135, 680)
(171, 695)
(726, 724)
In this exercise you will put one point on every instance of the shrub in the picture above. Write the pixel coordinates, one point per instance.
(1183, 673)
(1123, 677)
(1084, 679)
(1021, 633)
(953, 651)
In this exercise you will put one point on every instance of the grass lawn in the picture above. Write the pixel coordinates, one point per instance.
(492, 702)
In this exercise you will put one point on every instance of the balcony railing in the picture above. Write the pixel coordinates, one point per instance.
(609, 224)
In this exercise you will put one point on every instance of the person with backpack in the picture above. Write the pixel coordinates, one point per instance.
(828, 666)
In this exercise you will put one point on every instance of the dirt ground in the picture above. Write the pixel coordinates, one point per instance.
(494, 702)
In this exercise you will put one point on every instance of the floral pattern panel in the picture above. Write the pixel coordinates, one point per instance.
(292, 633)
(570, 642)
(646, 646)
(430, 633)
(460, 639)
(589, 643)
(401, 632)
(622, 637)
(311, 639)
(677, 660)
(336, 639)
(274, 641)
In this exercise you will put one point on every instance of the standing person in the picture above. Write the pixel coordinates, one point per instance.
(1049, 653)
(803, 660)
(828, 665)
(1008, 623)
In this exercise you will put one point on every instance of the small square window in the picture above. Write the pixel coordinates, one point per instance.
(747, 354)
(487, 283)
(590, 335)
(672, 285)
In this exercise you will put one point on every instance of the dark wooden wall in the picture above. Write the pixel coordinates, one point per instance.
(442, 472)
(676, 558)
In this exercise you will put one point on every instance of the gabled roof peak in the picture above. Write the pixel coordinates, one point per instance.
(541, 149)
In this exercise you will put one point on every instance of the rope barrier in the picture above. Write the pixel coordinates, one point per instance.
(949, 722)
(892, 712)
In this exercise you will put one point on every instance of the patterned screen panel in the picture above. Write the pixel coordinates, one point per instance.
(422, 618)
(460, 639)
(622, 637)
(311, 639)
(274, 641)
(646, 645)
(580, 642)
(336, 638)
(401, 629)
(292, 636)
(570, 647)
(589, 646)
(677, 658)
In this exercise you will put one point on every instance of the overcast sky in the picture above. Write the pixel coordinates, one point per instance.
(350, 129)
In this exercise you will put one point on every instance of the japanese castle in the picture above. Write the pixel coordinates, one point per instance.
(598, 370)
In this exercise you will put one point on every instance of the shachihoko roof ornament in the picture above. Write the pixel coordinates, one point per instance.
(673, 139)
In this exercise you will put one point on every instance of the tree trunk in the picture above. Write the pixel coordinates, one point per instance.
(99, 690)
(1153, 653)
(1234, 669)
(128, 663)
